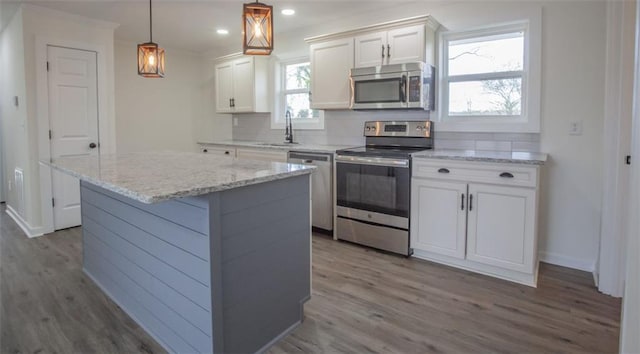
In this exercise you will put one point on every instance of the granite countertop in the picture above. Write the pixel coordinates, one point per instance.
(157, 176)
(279, 146)
(530, 158)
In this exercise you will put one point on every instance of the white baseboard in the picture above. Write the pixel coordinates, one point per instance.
(569, 262)
(24, 225)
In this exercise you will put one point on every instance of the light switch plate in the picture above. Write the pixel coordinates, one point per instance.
(575, 127)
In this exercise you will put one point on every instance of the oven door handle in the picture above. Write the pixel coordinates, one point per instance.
(376, 161)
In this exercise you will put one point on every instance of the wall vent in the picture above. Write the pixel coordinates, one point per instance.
(19, 190)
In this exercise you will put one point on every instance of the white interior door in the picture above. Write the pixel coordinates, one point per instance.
(73, 119)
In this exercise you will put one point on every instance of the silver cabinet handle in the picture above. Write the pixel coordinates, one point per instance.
(383, 51)
(388, 51)
(462, 203)
(506, 175)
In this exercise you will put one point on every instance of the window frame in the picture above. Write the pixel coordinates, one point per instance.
(279, 111)
(529, 119)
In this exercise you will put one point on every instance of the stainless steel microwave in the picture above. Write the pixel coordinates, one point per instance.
(395, 86)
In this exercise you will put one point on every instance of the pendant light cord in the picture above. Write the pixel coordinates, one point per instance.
(150, 24)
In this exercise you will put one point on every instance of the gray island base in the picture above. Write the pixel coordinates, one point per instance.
(207, 253)
(224, 272)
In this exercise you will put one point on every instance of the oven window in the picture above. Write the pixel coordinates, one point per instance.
(377, 91)
(379, 189)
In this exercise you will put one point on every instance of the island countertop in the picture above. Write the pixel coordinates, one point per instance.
(152, 177)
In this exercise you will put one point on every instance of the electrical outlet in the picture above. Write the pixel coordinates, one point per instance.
(235, 121)
(575, 127)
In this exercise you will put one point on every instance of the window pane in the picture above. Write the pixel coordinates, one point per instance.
(298, 105)
(487, 54)
(486, 98)
(298, 76)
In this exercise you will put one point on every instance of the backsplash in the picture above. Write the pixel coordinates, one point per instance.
(345, 128)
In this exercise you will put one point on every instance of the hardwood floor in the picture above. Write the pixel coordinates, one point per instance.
(363, 301)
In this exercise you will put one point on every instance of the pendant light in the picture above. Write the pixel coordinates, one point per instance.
(150, 56)
(257, 26)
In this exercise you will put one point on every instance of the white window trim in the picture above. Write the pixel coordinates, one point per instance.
(278, 112)
(529, 121)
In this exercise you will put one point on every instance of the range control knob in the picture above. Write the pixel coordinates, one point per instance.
(373, 128)
(419, 128)
(368, 128)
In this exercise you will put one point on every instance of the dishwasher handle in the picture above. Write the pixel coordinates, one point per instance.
(309, 157)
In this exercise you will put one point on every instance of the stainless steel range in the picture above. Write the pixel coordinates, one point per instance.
(374, 184)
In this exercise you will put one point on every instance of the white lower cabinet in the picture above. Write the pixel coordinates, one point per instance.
(440, 225)
(477, 216)
(500, 230)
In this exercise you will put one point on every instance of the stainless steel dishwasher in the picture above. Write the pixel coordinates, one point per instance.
(321, 186)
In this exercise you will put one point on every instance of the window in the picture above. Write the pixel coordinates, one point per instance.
(293, 97)
(487, 80)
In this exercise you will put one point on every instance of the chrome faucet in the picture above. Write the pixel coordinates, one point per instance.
(288, 134)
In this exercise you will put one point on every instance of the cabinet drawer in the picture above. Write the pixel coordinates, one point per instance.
(471, 171)
(220, 150)
(262, 155)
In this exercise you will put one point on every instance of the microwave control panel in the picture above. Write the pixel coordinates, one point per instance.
(414, 88)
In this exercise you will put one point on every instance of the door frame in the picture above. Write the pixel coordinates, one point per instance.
(106, 123)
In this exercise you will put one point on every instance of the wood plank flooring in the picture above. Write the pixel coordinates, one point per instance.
(363, 301)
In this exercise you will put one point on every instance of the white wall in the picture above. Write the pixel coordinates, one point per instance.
(30, 25)
(156, 114)
(15, 147)
(573, 60)
(630, 322)
(572, 89)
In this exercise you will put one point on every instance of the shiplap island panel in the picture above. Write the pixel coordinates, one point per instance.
(207, 253)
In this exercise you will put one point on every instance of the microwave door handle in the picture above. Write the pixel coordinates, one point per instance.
(403, 89)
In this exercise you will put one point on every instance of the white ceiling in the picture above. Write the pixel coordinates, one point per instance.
(192, 24)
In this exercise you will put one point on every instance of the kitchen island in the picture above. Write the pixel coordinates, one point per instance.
(207, 253)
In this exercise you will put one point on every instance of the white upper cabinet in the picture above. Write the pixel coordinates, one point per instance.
(406, 44)
(395, 46)
(334, 55)
(371, 49)
(224, 87)
(330, 65)
(242, 85)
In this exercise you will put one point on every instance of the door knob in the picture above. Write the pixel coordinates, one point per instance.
(93, 145)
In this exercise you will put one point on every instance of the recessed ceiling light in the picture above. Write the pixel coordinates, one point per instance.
(288, 12)
(222, 31)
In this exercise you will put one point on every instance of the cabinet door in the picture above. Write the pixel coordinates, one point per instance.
(261, 155)
(243, 85)
(224, 87)
(370, 49)
(438, 217)
(330, 65)
(501, 226)
(406, 44)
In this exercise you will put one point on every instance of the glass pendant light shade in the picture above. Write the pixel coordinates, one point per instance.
(150, 60)
(257, 22)
(150, 56)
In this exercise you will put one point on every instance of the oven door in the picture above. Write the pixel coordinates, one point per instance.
(374, 190)
(379, 91)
